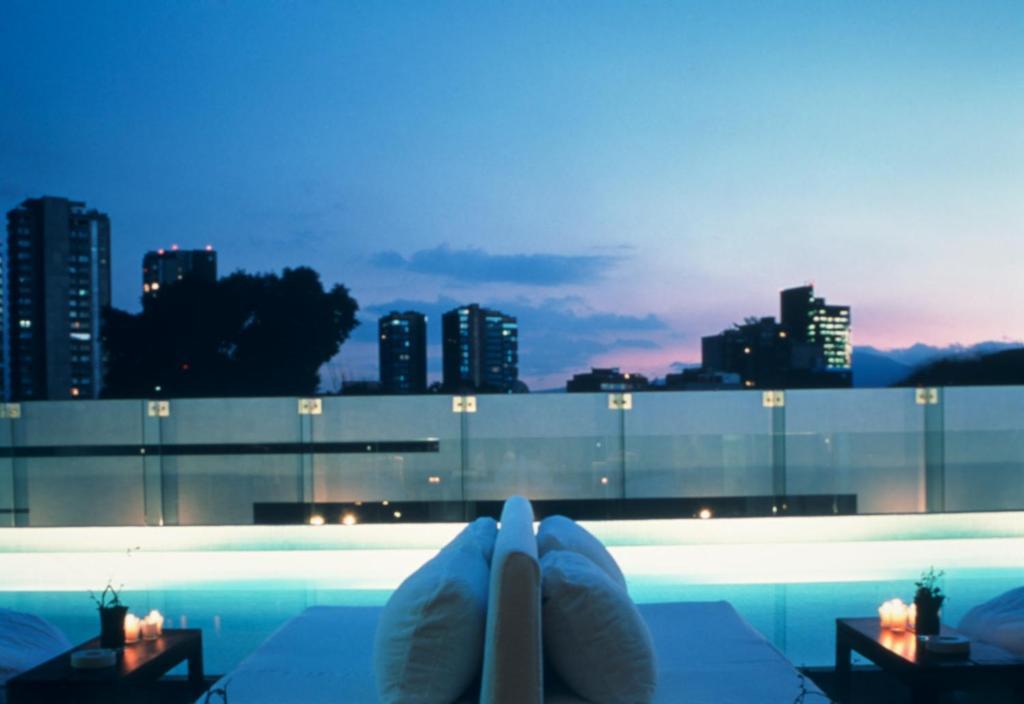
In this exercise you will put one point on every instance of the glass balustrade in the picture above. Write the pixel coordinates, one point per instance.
(439, 458)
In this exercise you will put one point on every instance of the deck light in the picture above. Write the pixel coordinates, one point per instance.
(349, 519)
(316, 520)
(705, 514)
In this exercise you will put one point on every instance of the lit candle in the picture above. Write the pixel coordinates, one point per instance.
(157, 620)
(148, 629)
(899, 616)
(132, 624)
(887, 613)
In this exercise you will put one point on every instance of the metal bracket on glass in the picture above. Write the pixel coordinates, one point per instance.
(926, 396)
(311, 407)
(10, 410)
(620, 402)
(158, 409)
(463, 404)
(773, 399)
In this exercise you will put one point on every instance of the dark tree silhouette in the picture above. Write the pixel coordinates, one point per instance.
(1005, 367)
(244, 335)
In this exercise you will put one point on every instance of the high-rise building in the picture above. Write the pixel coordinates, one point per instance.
(757, 351)
(5, 381)
(810, 320)
(481, 350)
(58, 284)
(403, 352)
(606, 379)
(165, 266)
(809, 347)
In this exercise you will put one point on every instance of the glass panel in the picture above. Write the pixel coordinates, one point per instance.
(557, 446)
(412, 450)
(84, 491)
(73, 423)
(64, 474)
(984, 448)
(231, 420)
(864, 442)
(7, 503)
(221, 487)
(698, 444)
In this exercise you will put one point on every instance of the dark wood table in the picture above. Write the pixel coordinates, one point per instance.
(925, 673)
(138, 667)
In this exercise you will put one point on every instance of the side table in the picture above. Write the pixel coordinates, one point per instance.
(926, 674)
(138, 666)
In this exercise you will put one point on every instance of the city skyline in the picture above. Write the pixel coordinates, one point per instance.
(634, 177)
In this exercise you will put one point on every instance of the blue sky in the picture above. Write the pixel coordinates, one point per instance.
(624, 177)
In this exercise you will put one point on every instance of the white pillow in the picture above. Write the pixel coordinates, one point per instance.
(594, 636)
(561, 533)
(430, 637)
(999, 621)
(26, 641)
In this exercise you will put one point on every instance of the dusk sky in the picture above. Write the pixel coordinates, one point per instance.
(623, 177)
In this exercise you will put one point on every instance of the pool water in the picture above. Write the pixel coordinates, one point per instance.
(789, 580)
(797, 618)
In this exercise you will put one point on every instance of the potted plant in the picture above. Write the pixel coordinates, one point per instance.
(112, 613)
(928, 599)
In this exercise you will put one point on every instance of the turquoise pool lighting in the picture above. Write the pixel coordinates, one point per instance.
(790, 577)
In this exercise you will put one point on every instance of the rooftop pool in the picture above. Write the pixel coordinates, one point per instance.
(790, 577)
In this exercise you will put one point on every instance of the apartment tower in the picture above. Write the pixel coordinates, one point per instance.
(58, 285)
(481, 350)
(402, 339)
(165, 266)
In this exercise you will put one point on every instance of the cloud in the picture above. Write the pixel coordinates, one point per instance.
(638, 344)
(475, 265)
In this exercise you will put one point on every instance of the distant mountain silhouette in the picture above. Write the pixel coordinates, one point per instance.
(920, 353)
(873, 367)
(1006, 367)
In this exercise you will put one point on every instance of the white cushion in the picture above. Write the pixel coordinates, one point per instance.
(999, 621)
(594, 637)
(561, 533)
(512, 671)
(430, 637)
(26, 641)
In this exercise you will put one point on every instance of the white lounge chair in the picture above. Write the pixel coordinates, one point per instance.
(706, 651)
